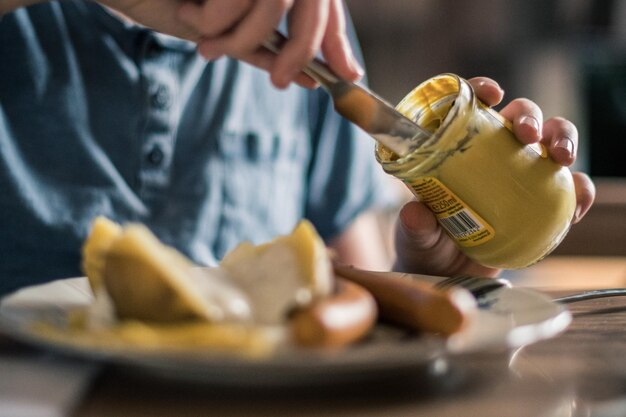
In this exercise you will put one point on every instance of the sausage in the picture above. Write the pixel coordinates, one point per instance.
(337, 320)
(412, 303)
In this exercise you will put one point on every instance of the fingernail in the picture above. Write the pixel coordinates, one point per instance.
(531, 122)
(576, 214)
(358, 69)
(566, 144)
(490, 84)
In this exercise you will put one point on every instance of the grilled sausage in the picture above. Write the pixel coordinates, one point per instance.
(412, 303)
(338, 320)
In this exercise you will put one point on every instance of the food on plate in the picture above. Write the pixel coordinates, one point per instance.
(103, 233)
(280, 275)
(412, 303)
(273, 288)
(149, 281)
(186, 336)
(336, 320)
(259, 299)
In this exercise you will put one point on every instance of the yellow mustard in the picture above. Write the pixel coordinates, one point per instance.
(507, 205)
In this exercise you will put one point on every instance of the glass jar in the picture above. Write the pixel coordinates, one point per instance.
(506, 204)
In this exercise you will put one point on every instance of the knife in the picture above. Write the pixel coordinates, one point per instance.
(361, 106)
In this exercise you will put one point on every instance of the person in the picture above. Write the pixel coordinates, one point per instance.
(163, 112)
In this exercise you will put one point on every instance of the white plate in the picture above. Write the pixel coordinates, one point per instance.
(507, 318)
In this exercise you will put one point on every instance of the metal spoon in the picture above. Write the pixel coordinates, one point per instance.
(362, 107)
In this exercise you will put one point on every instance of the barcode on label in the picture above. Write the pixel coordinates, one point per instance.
(461, 224)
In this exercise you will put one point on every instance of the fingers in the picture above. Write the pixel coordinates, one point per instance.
(237, 28)
(315, 25)
(560, 136)
(527, 119)
(265, 60)
(308, 20)
(248, 34)
(423, 247)
(336, 46)
(526, 116)
(487, 90)
(419, 225)
(585, 195)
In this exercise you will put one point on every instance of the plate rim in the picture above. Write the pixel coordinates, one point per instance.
(302, 367)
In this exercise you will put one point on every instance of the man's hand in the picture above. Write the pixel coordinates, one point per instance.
(237, 28)
(423, 246)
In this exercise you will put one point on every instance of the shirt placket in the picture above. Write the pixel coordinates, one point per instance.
(161, 90)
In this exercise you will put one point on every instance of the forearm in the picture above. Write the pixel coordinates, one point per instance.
(7, 6)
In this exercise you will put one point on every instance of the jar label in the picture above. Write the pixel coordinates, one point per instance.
(461, 222)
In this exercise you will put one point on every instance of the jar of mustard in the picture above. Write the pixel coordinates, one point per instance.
(506, 204)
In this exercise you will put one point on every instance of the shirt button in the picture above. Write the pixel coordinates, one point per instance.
(161, 98)
(155, 156)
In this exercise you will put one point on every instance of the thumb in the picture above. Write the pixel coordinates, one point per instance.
(418, 225)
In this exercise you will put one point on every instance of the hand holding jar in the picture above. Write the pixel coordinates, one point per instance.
(486, 201)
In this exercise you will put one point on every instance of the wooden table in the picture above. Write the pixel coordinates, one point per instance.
(579, 373)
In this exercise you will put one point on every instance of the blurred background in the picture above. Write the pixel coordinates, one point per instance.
(569, 56)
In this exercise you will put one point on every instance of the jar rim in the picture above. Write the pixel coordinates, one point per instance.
(446, 95)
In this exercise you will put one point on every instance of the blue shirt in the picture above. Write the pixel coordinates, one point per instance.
(102, 117)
